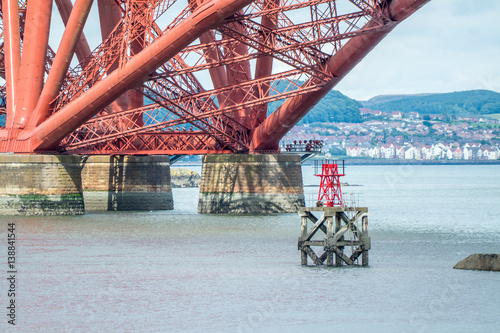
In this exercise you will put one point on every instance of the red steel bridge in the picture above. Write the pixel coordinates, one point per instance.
(176, 77)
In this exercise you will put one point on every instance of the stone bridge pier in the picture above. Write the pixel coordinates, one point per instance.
(72, 184)
(40, 185)
(252, 184)
(118, 183)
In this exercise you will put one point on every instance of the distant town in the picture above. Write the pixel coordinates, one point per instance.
(409, 136)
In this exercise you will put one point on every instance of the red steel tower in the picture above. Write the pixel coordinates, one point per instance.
(170, 77)
(330, 191)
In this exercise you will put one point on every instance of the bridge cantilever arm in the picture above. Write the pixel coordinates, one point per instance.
(268, 134)
(51, 131)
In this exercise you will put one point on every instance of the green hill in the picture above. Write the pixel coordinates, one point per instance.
(463, 103)
(334, 107)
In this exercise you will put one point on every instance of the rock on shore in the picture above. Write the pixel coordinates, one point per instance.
(480, 262)
(184, 178)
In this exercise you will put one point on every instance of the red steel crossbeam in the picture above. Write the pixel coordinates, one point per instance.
(175, 95)
(291, 46)
(171, 94)
(106, 57)
(103, 128)
(236, 71)
(163, 93)
(107, 126)
(268, 134)
(171, 143)
(132, 24)
(214, 57)
(207, 104)
(137, 58)
(49, 133)
(99, 132)
(264, 65)
(82, 50)
(61, 62)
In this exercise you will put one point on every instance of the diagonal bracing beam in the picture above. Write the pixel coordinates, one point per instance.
(268, 134)
(66, 120)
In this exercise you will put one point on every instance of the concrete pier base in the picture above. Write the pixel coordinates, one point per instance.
(40, 185)
(116, 183)
(252, 184)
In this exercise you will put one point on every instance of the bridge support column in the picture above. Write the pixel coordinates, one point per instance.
(40, 185)
(116, 183)
(252, 184)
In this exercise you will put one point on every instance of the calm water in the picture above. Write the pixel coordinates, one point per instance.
(176, 271)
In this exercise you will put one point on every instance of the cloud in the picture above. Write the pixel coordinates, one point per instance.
(448, 45)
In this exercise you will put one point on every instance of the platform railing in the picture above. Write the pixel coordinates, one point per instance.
(349, 199)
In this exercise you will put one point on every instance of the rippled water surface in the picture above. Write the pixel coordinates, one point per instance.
(177, 271)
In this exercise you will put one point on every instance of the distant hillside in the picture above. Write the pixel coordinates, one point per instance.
(334, 107)
(464, 103)
(388, 98)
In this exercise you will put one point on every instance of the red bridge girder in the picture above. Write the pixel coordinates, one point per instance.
(210, 73)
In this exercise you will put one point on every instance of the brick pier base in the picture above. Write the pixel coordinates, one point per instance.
(40, 185)
(253, 184)
(112, 183)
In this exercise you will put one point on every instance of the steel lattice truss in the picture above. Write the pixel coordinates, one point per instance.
(177, 77)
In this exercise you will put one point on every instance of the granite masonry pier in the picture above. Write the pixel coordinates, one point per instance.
(253, 184)
(116, 183)
(40, 185)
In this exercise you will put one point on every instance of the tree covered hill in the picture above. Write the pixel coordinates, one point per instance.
(334, 107)
(463, 103)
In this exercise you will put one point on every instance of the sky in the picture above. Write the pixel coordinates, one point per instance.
(448, 45)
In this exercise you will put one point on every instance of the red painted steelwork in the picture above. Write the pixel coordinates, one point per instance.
(330, 190)
(54, 129)
(32, 68)
(82, 50)
(268, 134)
(62, 60)
(264, 65)
(211, 74)
(12, 42)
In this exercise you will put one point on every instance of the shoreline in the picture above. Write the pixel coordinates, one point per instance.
(362, 161)
(355, 161)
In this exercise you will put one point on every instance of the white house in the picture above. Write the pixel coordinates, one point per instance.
(410, 153)
(387, 151)
(399, 152)
(427, 152)
(353, 151)
(439, 151)
(396, 115)
(488, 153)
(374, 152)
